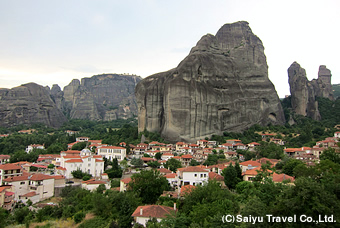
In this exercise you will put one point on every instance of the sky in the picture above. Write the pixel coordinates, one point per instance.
(52, 42)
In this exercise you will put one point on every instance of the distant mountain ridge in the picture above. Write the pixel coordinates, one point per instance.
(101, 97)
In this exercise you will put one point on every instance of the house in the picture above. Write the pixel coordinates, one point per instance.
(9, 170)
(34, 146)
(249, 174)
(69, 132)
(233, 141)
(85, 161)
(251, 146)
(172, 179)
(186, 159)
(282, 177)
(41, 184)
(293, 152)
(167, 156)
(144, 213)
(202, 143)
(4, 158)
(180, 145)
(6, 197)
(217, 177)
(164, 171)
(249, 165)
(186, 189)
(82, 139)
(112, 152)
(94, 184)
(192, 175)
(239, 146)
(337, 135)
(33, 196)
(124, 183)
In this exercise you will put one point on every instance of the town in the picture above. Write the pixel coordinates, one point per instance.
(185, 166)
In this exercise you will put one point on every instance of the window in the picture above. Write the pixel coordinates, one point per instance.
(195, 175)
(89, 159)
(201, 175)
(23, 182)
(205, 175)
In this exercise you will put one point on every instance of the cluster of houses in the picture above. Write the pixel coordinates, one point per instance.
(19, 183)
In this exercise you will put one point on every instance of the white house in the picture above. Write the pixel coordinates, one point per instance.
(144, 213)
(112, 152)
(192, 175)
(85, 161)
(34, 146)
(94, 184)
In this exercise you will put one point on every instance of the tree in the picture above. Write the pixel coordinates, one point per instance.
(79, 146)
(173, 164)
(149, 185)
(238, 170)
(288, 168)
(50, 166)
(230, 177)
(193, 162)
(101, 188)
(331, 155)
(137, 162)
(158, 155)
(154, 164)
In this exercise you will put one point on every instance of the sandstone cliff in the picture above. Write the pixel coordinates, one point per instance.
(304, 92)
(222, 85)
(101, 97)
(27, 104)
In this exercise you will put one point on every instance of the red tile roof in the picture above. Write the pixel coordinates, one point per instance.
(250, 162)
(16, 178)
(164, 170)
(282, 177)
(215, 176)
(30, 194)
(112, 147)
(153, 211)
(9, 167)
(192, 169)
(126, 180)
(187, 156)
(39, 176)
(93, 181)
(170, 175)
(9, 193)
(74, 160)
(187, 189)
(4, 187)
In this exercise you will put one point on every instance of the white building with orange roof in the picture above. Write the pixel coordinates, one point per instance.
(124, 183)
(186, 159)
(85, 161)
(93, 184)
(192, 175)
(6, 197)
(167, 156)
(34, 146)
(180, 145)
(4, 159)
(143, 213)
(202, 143)
(247, 165)
(9, 170)
(112, 152)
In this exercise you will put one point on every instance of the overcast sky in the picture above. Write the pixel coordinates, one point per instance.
(52, 42)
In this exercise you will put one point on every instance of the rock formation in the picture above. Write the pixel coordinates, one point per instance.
(27, 104)
(102, 97)
(222, 85)
(304, 92)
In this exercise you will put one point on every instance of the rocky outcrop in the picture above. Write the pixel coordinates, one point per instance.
(222, 85)
(57, 96)
(27, 104)
(304, 92)
(102, 97)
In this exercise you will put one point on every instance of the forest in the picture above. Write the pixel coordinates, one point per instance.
(316, 190)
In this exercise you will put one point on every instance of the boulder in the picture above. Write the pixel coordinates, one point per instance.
(27, 104)
(222, 85)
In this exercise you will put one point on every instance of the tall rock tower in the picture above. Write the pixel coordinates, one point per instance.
(222, 85)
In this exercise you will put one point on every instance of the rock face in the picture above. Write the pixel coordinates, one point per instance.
(102, 97)
(27, 104)
(222, 85)
(304, 92)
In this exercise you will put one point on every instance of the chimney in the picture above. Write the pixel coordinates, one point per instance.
(141, 211)
(174, 206)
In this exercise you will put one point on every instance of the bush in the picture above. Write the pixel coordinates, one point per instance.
(78, 217)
